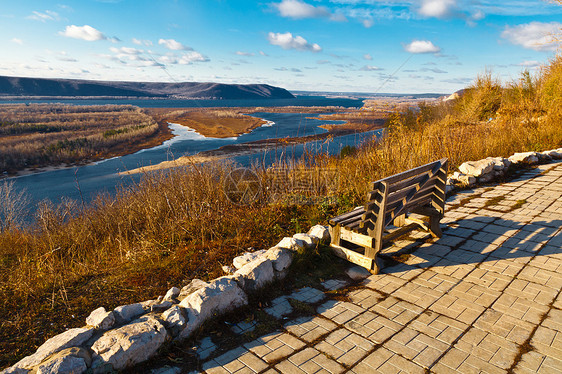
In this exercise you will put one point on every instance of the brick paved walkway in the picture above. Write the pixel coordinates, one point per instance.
(483, 298)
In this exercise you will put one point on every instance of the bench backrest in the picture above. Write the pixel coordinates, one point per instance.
(396, 195)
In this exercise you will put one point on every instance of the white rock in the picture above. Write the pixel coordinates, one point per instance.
(486, 178)
(228, 269)
(291, 244)
(255, 274)
(126, 313)
(499, 163)
(14, 370)
(525, 158)
(281, 258)
(100, 319)
(172, 293)
(68, 361)
(477, 168)
(357, 273)
(159, 308)
(321, 232)
(247, 257)
(555, 154)
(194, 285)
(129, 344)
(70, 338)
(221, 295)
(309, 240)
(174, 319)
(147, 305)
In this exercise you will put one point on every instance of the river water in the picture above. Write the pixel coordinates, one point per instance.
(85, 182)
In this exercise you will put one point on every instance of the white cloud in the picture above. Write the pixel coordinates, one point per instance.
(263, 53)
(17, 41)
(48, 15)
(437, 8)
(191, 57)
(530, 64)
(126, 51)
(368, 23)
(85, 32)
(174, 45)
(141, 42)
(422, 46)
(367, 56)
(370, 68)
(535, 35)
(241, 53)
(288, 41)
(299, 9)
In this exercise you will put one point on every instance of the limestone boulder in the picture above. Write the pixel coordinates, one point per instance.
(281, 258)
(291, 244)
(174, 319)
(126, 313)
(247, 257)
(194, 285)
(309, 240)
(499, 163)
(219, 296)
(14, 370)
(357, 273)
(70, 338)
(128, 345)
(255, 275)
(529, 158)
(159, 308)
(68, 361)
(321, 232)
(172, 294)
(486, 178)
(100, 319)
(477, 168)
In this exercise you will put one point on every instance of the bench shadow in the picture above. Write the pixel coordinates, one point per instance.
(472, 241)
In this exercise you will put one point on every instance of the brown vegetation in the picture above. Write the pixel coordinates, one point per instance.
(177, 226)
(39, 135)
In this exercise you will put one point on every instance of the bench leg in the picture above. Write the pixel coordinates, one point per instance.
(400, 220)
(376, 265)
(434, 227)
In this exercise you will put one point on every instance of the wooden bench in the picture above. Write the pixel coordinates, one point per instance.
(359, 235)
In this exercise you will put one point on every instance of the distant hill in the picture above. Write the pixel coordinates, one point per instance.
(26, 87)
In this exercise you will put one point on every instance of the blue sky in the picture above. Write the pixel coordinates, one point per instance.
(399, 46)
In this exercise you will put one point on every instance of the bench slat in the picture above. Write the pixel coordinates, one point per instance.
(410, 173)
(357, 211)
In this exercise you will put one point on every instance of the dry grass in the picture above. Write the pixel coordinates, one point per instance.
(173, 227)
(38, 135)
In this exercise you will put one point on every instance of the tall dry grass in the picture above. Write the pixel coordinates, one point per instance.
(172, 227)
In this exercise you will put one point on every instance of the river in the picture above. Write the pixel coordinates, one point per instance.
(85, 182)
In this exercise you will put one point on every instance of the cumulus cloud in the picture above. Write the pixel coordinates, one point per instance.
(535, 35)
(85, 32)
(141, 42)
(299, 9)
(288, 41)
(370, 68)
(367, 56)
(437, 8)
(126, 51)
(422, 46)
(48, 15)
(368, 23)
(242, 53)
(191, 57)
(17, 41)
(174, 45)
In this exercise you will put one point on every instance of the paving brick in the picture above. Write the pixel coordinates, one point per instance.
(365, 297)
(345, 347)
(397, 310)
(384, 283)
(520, 308)
(275, 346)
(308, 295)
(488, 347)
(439, 327)
(539, 294)
(340, 311)
(309, 361)
(238, 360)
(384, 361)
(374, 327)
(310, 328)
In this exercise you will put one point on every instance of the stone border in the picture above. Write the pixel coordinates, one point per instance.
(131, 334)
